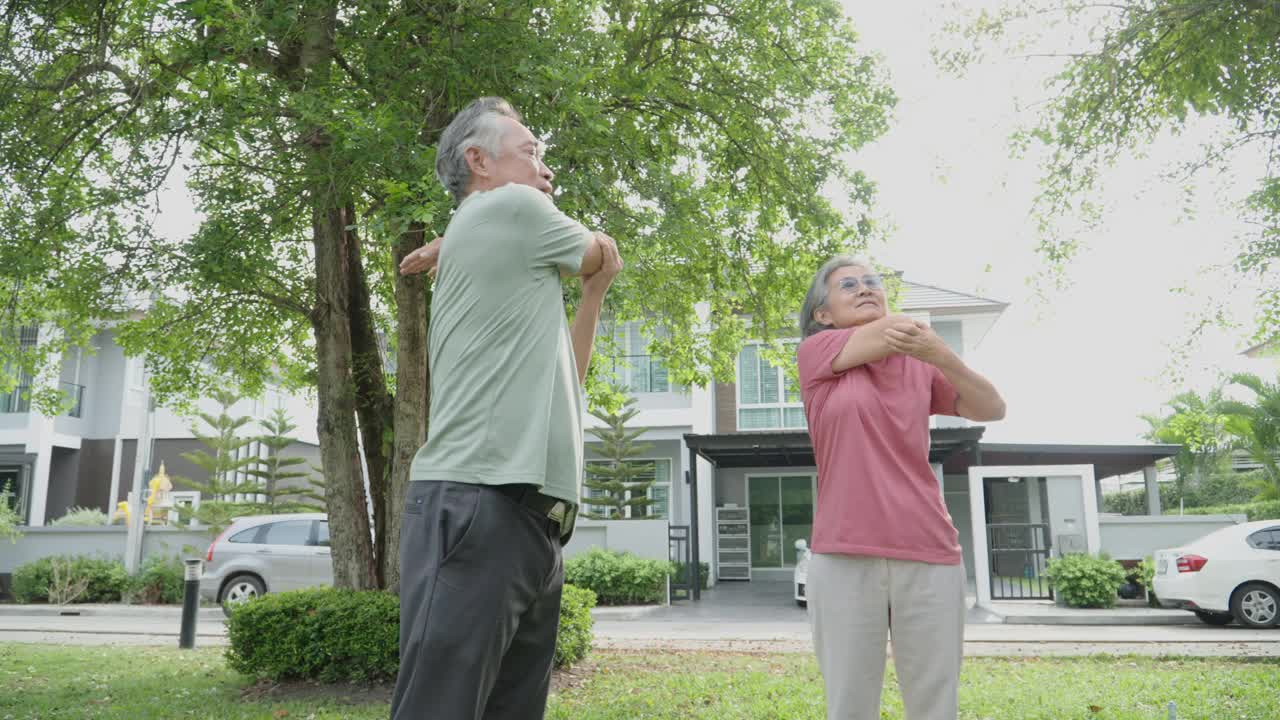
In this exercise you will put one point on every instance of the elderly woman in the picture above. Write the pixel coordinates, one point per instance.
(886, 557)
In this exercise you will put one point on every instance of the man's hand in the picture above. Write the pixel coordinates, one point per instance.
(917, 339)
(423, 259)
(610, 265)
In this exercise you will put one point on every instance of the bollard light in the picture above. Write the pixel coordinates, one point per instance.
(190, 603)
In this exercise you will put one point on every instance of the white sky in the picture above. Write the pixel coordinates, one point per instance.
(1084, 365)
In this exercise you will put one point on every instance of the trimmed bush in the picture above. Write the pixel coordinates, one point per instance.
(1265, 510)
(333, 635)
(1086, 581)
(323, 634)
(619, 578)
(704, 573)
(1228, 488)
(573, 639)
(82, 517)
(159, 581)
(106, 579)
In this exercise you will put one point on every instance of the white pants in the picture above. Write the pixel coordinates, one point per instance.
(853, 604)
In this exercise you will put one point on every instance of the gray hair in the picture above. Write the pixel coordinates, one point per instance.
(816, 298)
(475, 125)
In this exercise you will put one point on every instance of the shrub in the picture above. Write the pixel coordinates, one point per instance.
(322, 634)
(1227, 488)
(159, 580)
(1086, 581)
(9, 518)
(81, 517)
(678, 570)
(1265, 510)
(105, 579)
(619, 578)
(573, 639)
(330, 635)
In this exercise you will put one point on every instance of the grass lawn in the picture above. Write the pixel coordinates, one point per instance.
(49, 682)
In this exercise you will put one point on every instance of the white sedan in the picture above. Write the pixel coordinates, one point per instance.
(802, 572)
(1229, 574)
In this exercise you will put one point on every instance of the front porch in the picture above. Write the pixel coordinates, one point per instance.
(1026, 503)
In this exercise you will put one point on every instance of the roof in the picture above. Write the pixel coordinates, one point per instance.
(956, 448)
(793, 448)
(918, 296)
(1269, 348)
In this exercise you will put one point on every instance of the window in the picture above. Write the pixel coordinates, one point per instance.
(1268, 539)
(768, 399)
(289, 532)
(635, 368)
(322, 533)
(246, 536)
(659, 471)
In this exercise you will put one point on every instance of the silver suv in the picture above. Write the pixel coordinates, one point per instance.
(267, 553)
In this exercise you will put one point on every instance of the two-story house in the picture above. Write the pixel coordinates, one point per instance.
(733, 463)
(85, 457)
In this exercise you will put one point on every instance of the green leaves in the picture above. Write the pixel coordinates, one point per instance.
(1086, 580)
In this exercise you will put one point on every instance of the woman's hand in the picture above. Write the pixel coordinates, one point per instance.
(919, 341)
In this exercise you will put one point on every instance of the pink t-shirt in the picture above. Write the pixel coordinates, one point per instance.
(877, 494)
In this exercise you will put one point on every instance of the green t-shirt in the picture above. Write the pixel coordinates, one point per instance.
(506, 405)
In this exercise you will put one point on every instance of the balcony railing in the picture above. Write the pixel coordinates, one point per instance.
(74, 393)
(19, 399)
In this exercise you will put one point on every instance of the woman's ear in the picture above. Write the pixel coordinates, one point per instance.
(822, 316)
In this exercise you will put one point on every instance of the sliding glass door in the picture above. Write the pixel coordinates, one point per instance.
(781, 513)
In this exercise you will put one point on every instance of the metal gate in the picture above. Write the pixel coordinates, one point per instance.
(678, 551)
(1019, 553)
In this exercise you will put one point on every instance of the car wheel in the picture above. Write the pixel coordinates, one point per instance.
(1256, 605)
(1214, 618)
(240, 589)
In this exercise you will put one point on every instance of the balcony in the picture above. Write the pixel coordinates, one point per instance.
(19, 399)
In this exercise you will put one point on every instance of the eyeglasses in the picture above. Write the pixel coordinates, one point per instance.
(870, 282)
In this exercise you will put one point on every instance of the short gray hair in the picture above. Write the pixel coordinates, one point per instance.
(816, 298)
(475, 125)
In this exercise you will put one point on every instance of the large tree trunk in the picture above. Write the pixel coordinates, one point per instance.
(354, 564)
(373, 403)
(413, 392)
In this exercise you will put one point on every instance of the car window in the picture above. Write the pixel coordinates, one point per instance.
(246, 536)
(322, 533)
(288, 532)
(1266, 539)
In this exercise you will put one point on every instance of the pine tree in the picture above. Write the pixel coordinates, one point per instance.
(615, 477)
(274, 471)
(227, 491)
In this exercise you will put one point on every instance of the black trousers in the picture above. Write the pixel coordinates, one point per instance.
(480, 583)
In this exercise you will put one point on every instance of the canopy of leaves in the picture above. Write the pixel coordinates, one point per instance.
(698, 135)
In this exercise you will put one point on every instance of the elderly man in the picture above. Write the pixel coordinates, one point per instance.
(494, 492)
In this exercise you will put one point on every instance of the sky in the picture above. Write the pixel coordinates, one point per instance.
(1082, 364)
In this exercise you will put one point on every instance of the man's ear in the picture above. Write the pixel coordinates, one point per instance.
(477, 161)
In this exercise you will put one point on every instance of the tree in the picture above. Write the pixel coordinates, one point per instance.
(1149, 67)
(225, 490)
(616, 481)
(1257, 426)
(1198, 425)
(273, 472)
(699, 135)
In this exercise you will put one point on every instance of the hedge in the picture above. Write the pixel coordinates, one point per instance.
(1088, 581)
(331, 635)
(619, 578)
(106, 579)
(1265, 510)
